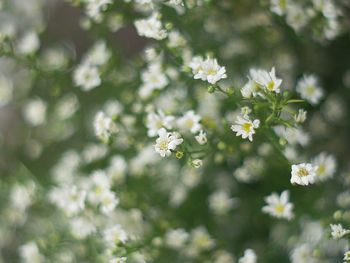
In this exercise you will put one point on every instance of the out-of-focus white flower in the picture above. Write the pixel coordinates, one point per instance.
(190, 122)
(278, 6)
(118, 260)
(115, 235)
(81, 227)
(201, 240)
(303, 254)
(151, 27)
(117, 168)
(176, 39)
(248, 257)
(94, 8)
(104, 126)
(153, 79)
(251, 170)
(86, 77)
(326, 166)
(220, 202)
(293, 135)
(279, 206)
(30, 253)
(98, 55)
(67, 106)
(309, 89)
(296, 16)
(197, 163)
(108, 201)
(245, 127)
(224, 257)
(176, 238)
(28, 44)
(156, 121)
(201, 138)
(22, 196)
(338, 231)
(34, 112)
(166, 142)
(208, 70)
(303, 174)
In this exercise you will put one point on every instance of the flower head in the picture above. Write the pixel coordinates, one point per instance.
(245, 127)
(208, 70)
(303, 174)
(166, 142)
(279, 206)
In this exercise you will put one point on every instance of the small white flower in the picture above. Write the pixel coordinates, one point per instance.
(303, 174)
(108, 202)
(34, 112)
(197, 163)
(201, 138)
(104, 126)
(279, 206)
(268, 80)
(115, 235)
(338, 231)
(220, 202)
(86, 77)
(166, 142)
(208, 70)
(153, 79)
(347, 256)
(151, 27)
(156, 121)
(190, 122)
(248, 257)
(30, 253)
(28, 44)
(98, 55)
(118, 260)
(94, 8)
(309, 89)
(326, 166)
(278, 6)
(245, 127)
(176, 238)
(301, 116)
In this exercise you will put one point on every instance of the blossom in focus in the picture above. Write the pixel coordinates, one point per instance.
(279, 206)
(303, 174)
(245, 127)
(166, 142)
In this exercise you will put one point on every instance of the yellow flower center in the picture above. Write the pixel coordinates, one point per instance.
(303, 172)
(212, 71)
(247, 127)
(189, 123)
(163, 145)
(271, 85)
(279, 208)
(321, 169)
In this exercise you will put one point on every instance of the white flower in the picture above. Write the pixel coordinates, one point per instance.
(326, 166)
(118, 260)
(347, 256)
(245, 127)
(98, 55)
(220, 202)
(338, 231)
(176, 238)
(151, 27)
(302, 254)
(115, 235)
(108, 202)
(34, 112)
(176, 39)
(104, 126)
(166, 142)
(196, 64)
(248, 257)
(201, 138)
(156, 121)
(197, 163)
(30, 253)
(81, 227)
(303, 174)
(86, 77)
(28, 44)
(279, 206)
(251, 170)
(190, 122)
(278, 6)
(301, 116)
(201, 240)
(94, 8)
(209, 70)
(268, 80)
(153, 78)
(309, 89)
(296, 16)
